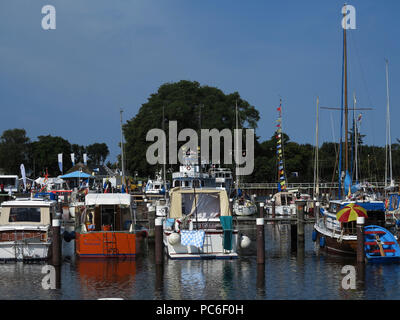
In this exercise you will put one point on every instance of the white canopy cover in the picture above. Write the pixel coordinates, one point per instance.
(95, 199)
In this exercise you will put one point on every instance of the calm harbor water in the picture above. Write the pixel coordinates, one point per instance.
(303, 274)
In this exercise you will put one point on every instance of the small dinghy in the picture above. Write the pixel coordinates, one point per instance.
(380, 245)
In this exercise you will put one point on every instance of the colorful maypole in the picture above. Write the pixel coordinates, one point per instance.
(279, 152)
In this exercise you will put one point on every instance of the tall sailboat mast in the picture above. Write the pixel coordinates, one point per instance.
(165, 154)
(343, 97)
(237, 148)
(388, 135)
(316, 178)
(122, 151)
(346, 108)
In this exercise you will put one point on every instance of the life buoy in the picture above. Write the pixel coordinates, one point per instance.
(188, 168)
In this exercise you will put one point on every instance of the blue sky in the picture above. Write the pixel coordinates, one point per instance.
(104, 55)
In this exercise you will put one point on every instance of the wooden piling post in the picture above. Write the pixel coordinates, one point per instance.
(300, 220)
(360, 240)
(159, 250)
(56, 242)
(261, 215)
(273, 207)
(260, 241)
(316, 210)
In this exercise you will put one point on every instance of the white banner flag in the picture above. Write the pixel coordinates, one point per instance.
(23, 175)
(85, 159)
(73, 158)
(60, 165)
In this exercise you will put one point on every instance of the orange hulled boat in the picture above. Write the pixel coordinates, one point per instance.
(106, 227)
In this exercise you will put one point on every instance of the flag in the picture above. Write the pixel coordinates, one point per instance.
(279, 108)
(85, 159)
(23, 175)
(359, 117)
(60, 165)
(73, 158)
(85, 184)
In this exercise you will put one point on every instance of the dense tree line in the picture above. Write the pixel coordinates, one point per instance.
(194, 106)
(41, 155)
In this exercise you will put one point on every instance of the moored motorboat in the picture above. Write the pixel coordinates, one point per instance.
(199, 225)
(25, 229)
(284, 203)
(107, 227)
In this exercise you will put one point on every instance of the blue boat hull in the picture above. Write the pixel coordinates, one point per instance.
(378, 241)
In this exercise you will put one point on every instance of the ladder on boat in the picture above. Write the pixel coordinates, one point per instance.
(109, 244)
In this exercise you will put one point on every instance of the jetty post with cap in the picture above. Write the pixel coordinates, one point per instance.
(300, 220)
(158, 238)
(260, 241)
(261, 214)
(56, 242)
(360, 240)
(273, 207)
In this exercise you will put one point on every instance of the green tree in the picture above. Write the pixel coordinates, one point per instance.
(192, 106)
(97, 153)
(45, 154)
(14, 150)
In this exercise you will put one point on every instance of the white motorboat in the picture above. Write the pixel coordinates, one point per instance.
(199, 225)
(25, 226)
(284, 204)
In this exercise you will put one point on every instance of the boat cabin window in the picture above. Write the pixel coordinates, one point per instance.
(204, 206)
(24, 214)
(108, 218)
(176, 183)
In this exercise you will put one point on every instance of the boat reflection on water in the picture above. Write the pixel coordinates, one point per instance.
(112, 277)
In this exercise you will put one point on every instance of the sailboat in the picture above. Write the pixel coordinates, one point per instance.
(391, 198)
(335, 233)
(242, 205)
(283, 200)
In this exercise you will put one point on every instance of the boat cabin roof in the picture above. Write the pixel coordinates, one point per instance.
(29, 202)
(97, 199)
(209, 200)
(27, 212)
(369, 205)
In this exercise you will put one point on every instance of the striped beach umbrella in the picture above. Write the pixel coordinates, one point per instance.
(350, 213)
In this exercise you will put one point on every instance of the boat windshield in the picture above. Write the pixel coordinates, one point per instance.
(24, 214)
